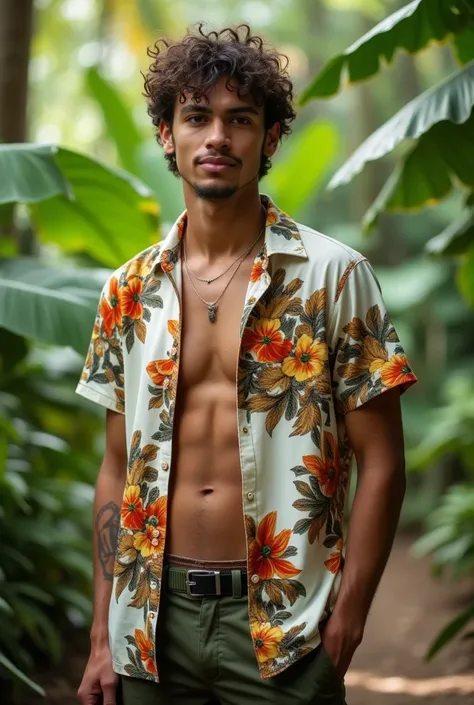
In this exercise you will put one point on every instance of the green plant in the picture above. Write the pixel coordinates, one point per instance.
(440, 127)
(58, 209)
(439, 123)
(449, 538)
(450, 543)
(82, 208)
(47, 466)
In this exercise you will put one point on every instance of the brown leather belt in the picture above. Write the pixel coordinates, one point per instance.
(197, 583)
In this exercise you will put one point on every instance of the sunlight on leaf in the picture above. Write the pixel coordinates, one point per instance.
(451, 100)
(411, 28)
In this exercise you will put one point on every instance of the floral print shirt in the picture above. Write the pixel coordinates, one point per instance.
(316, 343)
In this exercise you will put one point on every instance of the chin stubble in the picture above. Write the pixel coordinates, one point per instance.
(211, 193)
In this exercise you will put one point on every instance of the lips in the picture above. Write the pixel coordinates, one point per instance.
(217, 161)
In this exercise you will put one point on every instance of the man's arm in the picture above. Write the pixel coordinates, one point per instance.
(99, 682)
(376, 436)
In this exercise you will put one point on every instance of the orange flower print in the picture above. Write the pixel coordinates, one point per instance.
(147, 650)
(257, 271)
(152, 541)
(334, 561)
(396, 371)
(111, 313)
(168, 259)
(272, 217)
(326, 468)
(307, 360)
(173, 328)
(159, 370)
(266, 550)
(130, 298)
(267, 341)
(133, 516)
(266, 640)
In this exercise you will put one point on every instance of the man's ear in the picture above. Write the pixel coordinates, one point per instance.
(271, 140)
(166, 136)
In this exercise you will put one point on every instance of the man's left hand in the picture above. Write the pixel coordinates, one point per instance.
(340, 640)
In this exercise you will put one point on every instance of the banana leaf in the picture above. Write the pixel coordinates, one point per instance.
(411, 28)
(452, 100)
(52, 304)
(441, 160)
(29, 173)
(117, 118)
(464, 45)
(456, 239)
(79, 203)
(465, 276)
(295, 178)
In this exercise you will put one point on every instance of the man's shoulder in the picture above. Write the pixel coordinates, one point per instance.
(327, 250)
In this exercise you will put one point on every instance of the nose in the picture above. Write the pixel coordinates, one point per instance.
(217, 137)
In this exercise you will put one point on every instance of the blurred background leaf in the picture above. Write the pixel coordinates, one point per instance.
(312, 152)
(58, 308)
(411, 28)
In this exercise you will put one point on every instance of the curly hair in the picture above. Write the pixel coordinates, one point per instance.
(199, 60)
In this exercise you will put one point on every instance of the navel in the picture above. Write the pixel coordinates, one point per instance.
(207, 491)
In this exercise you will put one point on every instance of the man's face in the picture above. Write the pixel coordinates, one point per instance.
(218, 142)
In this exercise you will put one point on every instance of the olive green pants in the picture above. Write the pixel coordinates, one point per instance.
(206, 657)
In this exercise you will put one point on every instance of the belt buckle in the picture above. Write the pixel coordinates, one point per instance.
(189, 582)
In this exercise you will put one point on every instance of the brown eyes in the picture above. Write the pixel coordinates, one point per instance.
(202, 119)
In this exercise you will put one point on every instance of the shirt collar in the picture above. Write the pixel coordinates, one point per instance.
(282, 236)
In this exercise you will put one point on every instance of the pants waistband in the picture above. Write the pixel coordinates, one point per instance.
(171, 559)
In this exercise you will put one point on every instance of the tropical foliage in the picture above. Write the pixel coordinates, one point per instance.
(48, 456)
(440, 126)
(48, 464)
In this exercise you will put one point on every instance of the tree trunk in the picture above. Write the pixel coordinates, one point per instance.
(15, 36)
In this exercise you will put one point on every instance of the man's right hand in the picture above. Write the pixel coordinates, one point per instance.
(99, 683)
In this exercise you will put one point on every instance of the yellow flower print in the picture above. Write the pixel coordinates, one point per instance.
(266, 640)
(308, 359)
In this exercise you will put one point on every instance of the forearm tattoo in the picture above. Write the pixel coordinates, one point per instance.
(107, 526)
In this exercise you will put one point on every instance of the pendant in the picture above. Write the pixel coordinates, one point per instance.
(212, 310)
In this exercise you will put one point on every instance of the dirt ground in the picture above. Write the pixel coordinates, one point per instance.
(388, 668)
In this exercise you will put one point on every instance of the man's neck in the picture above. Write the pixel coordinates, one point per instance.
(225, 227)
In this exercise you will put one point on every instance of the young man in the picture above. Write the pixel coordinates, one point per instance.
(242, 360)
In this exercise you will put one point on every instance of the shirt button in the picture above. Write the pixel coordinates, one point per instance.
(245, 429)
(164, 466)
(250, 495)
(255, 578)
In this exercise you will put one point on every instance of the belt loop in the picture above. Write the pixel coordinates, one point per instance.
(236, 584)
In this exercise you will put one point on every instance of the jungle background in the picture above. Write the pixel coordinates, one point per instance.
(382, 158)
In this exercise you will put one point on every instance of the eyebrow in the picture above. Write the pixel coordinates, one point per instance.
(192, 108)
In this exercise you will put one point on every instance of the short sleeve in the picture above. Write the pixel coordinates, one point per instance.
(102, 379)
(367, 357)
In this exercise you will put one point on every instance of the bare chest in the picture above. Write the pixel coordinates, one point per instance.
(209, 350)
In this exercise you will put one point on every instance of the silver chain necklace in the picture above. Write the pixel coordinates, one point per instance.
(242, 256)
(212, 305)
